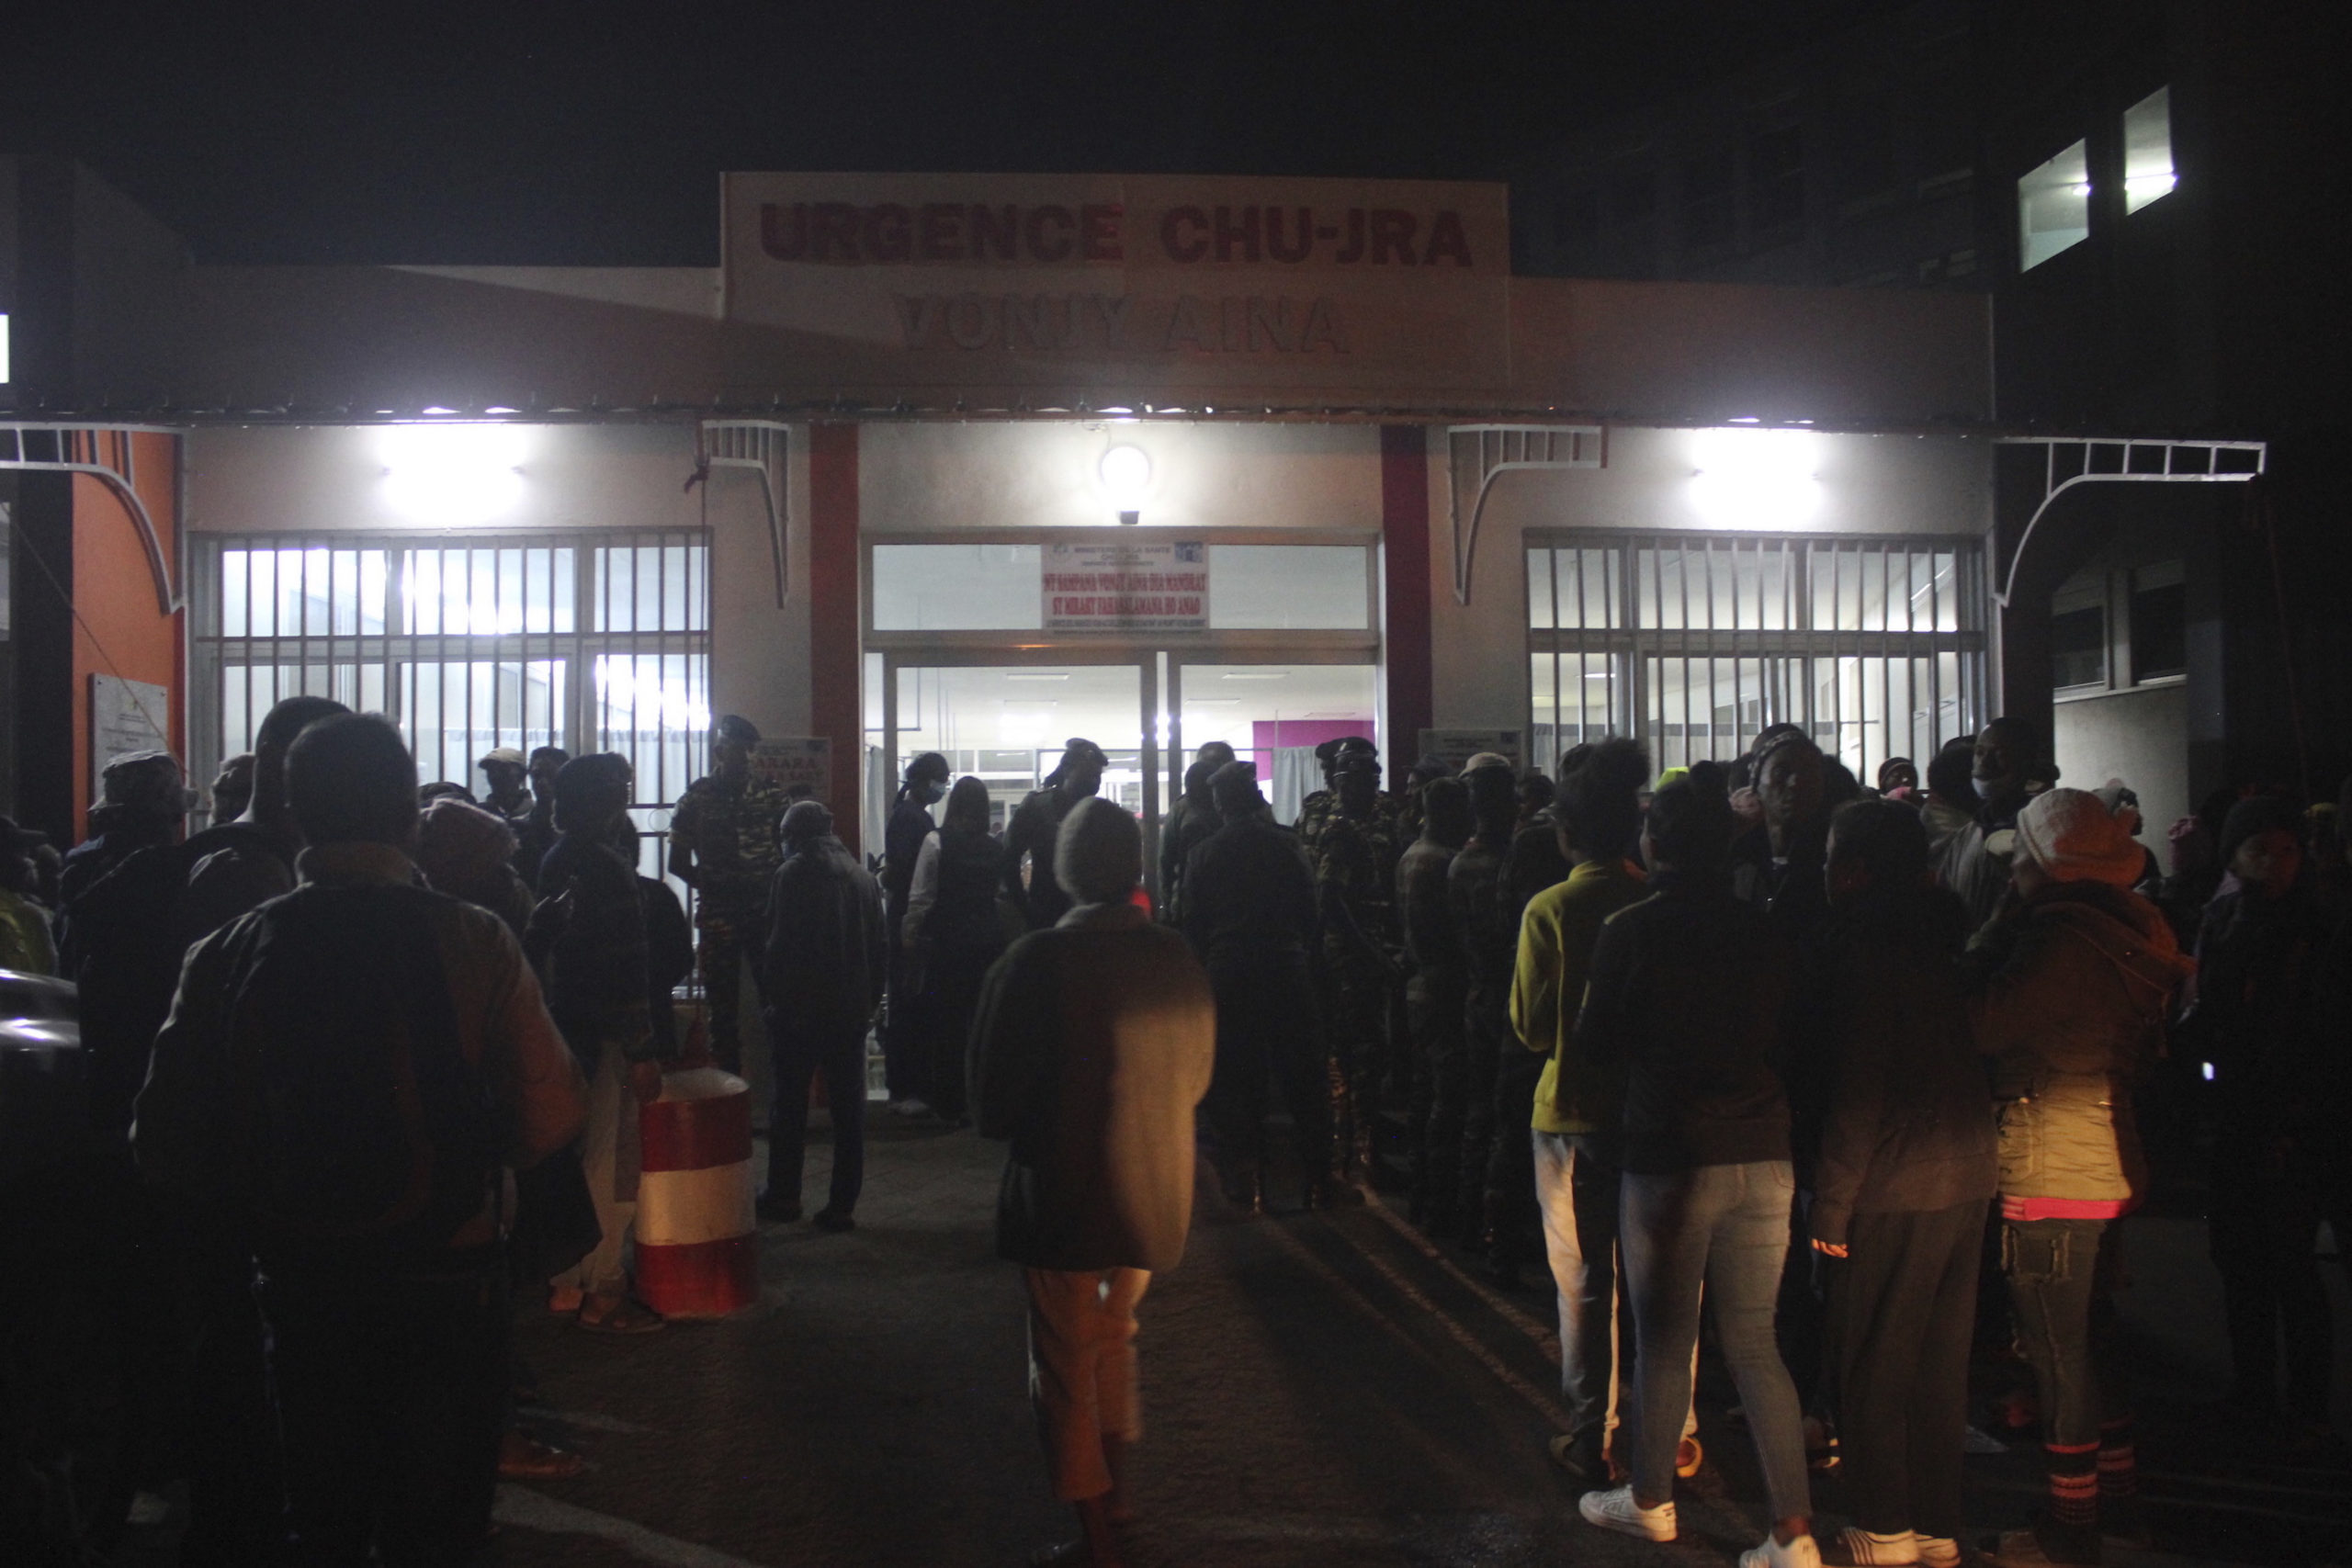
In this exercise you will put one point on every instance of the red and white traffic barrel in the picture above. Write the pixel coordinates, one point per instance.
(697, 1234)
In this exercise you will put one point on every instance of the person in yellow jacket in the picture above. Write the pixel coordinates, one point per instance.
(1576, 1116)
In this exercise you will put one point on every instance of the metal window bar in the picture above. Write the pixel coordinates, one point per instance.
(465, 643)
(1867, 678)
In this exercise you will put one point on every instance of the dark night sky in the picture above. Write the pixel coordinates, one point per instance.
(521, 130)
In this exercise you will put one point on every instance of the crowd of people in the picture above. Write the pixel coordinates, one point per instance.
(365, 1059)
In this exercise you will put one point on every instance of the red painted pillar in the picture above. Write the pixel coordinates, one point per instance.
(834, 710)
(1405, 629)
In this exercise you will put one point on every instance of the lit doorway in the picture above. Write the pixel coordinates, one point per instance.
(1272, 713)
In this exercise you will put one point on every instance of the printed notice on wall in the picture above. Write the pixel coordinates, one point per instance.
(803, 769)
(1118, 586)
(1458, 746)
(126, 716)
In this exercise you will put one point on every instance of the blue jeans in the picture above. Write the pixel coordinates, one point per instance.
(1725, 1228)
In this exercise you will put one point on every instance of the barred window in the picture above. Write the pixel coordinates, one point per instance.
(1695, 642)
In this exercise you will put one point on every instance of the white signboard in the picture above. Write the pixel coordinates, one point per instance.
(1118, 586)
(1458, 746)
(126, 716)
(803, 769)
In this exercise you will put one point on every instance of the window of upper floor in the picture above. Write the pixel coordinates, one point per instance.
(2054, 207)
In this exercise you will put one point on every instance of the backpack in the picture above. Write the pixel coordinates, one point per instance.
(368, 1129)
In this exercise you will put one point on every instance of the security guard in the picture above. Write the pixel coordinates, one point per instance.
(1316, 809)
(723, 844)
(1355, 881)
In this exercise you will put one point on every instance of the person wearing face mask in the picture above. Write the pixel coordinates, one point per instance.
(2261, 1021)
(1029, 877)
(910, 827)
(2010, 763)
(2069, 986)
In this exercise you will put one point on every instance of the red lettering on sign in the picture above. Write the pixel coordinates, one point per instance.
(1174, 221)
(785, 239)
(1305, 243)
(1392, 234)
(1056, 248)
(889, 232)
(939, 231)
(1353, 250)
(1098, 232)
(835, 235)
(994, 229)
(1271, 322)
(1447, 239)
(1230, 234)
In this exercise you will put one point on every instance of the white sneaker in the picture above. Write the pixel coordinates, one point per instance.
(1937, 1551)
(911, 1108)
(1854, 1546)
(1617, 1511)
(1799, 1553)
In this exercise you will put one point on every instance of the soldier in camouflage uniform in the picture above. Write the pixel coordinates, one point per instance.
(1355, 882)
(1316, 809)
(1491, 948)
(724, 844)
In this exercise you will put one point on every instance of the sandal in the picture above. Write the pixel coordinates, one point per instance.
(623, 1316)
(522, 1456)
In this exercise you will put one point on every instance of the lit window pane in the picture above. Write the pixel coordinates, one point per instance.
(2147, 150)
(2054, 206)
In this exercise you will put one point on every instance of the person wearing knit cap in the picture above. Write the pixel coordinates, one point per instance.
(822, 971)
(2069, 986)
(1029, 837)
(2263, 1022)
(504, 769)
(468, 854)
(1094, 1043)
(1249, 915)
(588, 933)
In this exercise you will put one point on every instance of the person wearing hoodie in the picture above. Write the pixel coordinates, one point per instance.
(2262, 1020)
(1905, 1166)
(1095, 1041)
(2068, 987)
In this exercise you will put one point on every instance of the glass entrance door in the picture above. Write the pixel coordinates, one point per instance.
(1272, 713)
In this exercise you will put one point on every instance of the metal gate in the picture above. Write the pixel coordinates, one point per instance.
(1695, 642)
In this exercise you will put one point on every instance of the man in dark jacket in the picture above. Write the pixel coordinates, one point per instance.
(723, 845)
(1499, 1077)
(381, 1271)
(588, 931)
(903, 835)
(824, 966)
(1435, 993)
(1190, 822)
(1906, 1165)
(1251, 918)
(2010, 758)
(1029, 836)
(1094, 1042)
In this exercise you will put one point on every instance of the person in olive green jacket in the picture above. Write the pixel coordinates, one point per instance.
(1576, 1113)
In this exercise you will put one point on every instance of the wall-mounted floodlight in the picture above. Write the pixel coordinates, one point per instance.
(1125, 472)
(453, 475)
(1751, 476)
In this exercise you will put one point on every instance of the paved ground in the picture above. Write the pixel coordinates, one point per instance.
(1320, 1390)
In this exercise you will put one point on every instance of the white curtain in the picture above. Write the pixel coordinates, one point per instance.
(1296, 775)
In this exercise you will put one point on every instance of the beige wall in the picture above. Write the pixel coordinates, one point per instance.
(1866, 484)
(923, 477)
(332, 479)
